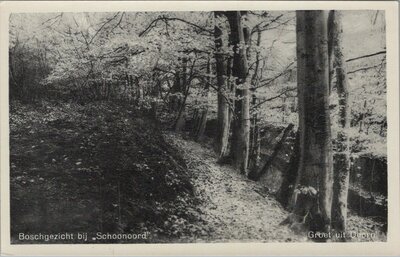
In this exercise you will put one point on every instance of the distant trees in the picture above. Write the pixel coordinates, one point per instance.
(184, 90)
(200, 119)
(28, 65)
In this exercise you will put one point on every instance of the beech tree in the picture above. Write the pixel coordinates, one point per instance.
(312, 198)
(222, 136)
(342, 155)
(241, 122)
(255, 130)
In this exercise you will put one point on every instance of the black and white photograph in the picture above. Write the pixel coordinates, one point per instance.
(217, 126)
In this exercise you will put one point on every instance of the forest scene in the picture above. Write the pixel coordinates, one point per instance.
(198, 127)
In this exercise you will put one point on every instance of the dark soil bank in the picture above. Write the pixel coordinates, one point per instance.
(94, 168)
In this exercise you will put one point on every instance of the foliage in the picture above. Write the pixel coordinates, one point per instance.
(138, 57)
(92, 80)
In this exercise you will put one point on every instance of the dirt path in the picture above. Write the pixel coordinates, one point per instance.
(234, 207)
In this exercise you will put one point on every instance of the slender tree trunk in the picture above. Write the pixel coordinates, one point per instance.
(330, 51)
(232, 91)
(195, 119)
(222, 83)
(242, 104)
(180, 120)
(362, 117)
(202, 118)
(312, 198)
(202, 124)
(155, 92)
(289, 176)
(255, 132)
(176, 88)
(232, 88)
(256, 175)
(342, 166)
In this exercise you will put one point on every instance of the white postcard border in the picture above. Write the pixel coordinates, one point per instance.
(391, 247)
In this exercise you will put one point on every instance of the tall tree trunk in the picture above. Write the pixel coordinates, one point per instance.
(241, 126)
(255, 131)
(202, 118)
(312, 198)
(232, 91)
(155, 93)
(176, 88)
(232, 86)
(222, 83)
(180, 120)
(342, 165)
(290, 174)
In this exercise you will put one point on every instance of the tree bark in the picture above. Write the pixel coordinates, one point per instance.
(202, 117)
(342, 166)
(241, 127)
(180, 120)
(222, 138)
(289, 176)
(176, 88)
(312, 198)
(362, 117)
(155, 93)
(255, 131)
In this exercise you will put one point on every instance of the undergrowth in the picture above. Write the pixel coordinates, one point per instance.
(99, 167)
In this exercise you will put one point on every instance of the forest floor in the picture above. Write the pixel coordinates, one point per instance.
(108, 168)
(242, 210)
(99, 167)
(237, 208)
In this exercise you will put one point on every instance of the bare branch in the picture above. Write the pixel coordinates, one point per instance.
(365, 56)
(165, 19)
(269, 81)
(102, 26)
(59, 16)
(274, 97)
(264, 27)
(365, 68)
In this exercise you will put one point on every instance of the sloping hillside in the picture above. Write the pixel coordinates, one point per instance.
(94, 168)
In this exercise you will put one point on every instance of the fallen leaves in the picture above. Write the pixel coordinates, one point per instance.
(69, 161)
(234, 208)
